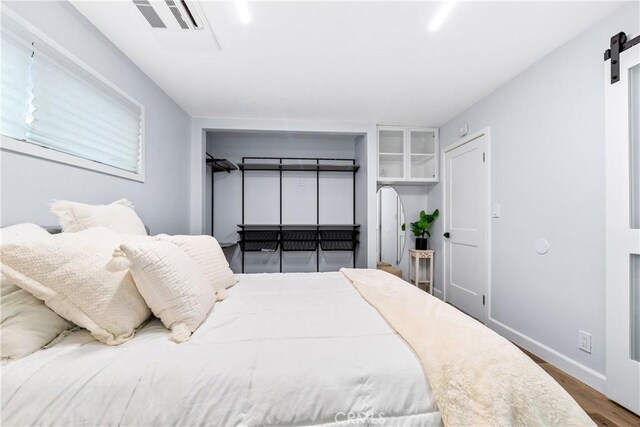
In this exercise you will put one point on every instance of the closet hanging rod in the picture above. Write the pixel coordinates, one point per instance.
(335, 159)
(284, 226)
(298, 167)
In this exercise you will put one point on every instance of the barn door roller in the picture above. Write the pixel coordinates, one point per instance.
(619, 44)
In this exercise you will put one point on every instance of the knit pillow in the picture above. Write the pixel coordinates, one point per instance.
(118, 216)
(27, 324)
(73, 275)
(172, 285)
(208, 256)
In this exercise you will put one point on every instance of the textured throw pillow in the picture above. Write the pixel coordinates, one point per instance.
(27, 324)
(73, 275)
(118, 216)
(208, 256)
(172, 285)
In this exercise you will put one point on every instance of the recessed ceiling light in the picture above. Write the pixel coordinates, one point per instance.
(441, 15)
(243, 11)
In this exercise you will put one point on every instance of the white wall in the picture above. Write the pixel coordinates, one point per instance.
(29, 184)
(547, 148)
(262, 194)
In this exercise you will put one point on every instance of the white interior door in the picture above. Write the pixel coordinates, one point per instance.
(465, 225)
(623, 231)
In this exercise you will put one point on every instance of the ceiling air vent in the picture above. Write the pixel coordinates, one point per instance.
(172, 14)
(176, 13)
(178, 24)
(149, 13)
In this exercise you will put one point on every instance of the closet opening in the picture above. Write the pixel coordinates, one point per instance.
(283, 201)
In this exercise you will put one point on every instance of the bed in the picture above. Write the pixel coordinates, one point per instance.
(282, 349)
(355, 347)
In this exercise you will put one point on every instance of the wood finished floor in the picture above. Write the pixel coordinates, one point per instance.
(603, 412)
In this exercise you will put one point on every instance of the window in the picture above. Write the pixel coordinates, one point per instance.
(54, 106)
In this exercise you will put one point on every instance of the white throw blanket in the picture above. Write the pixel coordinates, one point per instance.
(478, 377)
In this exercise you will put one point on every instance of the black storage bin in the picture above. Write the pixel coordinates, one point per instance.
(299, 246)
(338, 240)
(258, 240)
(258, 246)
(339, 234)
(260, 235)
(299, 240)
(338, 245)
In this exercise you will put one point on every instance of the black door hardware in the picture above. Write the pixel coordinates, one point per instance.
(447, 235)
(619, 44)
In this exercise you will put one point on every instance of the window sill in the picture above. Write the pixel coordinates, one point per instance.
(33, 150)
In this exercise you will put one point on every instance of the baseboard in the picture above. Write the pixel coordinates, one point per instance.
(575, 369)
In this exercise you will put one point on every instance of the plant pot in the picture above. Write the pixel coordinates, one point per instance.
(421, 243)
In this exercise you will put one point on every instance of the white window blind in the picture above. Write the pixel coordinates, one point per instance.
(14, 77)
(50, 100)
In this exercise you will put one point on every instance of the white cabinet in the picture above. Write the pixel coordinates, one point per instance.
(392, 150)
(407, 154)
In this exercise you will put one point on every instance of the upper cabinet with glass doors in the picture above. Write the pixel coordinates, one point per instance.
(407, 154)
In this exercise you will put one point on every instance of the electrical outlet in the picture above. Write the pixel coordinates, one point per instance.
(584, 341)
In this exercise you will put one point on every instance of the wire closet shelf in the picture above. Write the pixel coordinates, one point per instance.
(298, 237)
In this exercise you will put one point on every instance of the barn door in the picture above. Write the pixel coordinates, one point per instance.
(622, 97)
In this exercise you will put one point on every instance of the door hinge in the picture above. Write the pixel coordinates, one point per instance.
(482, 299)
(484, 157)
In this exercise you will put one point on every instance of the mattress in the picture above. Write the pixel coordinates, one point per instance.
(283, 349)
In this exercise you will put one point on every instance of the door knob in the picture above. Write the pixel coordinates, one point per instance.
(447, 235)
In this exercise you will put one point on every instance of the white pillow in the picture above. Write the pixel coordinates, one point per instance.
(118, 216)
(73, 275)
(171, 284)
(27, 324)
(208, 256)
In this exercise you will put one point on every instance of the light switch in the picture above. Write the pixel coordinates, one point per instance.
(463, 129)
(495, 211)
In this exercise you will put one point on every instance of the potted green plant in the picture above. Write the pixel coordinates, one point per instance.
(421, 227)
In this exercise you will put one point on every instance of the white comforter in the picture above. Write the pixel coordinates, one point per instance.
(283, 349)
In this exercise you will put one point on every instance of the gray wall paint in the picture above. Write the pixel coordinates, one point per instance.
(547, 148)
(29, 184)
(262, 193)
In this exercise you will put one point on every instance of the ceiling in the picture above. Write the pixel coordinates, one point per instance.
(347, 61)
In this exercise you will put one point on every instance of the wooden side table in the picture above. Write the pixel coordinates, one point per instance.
(414, 269)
